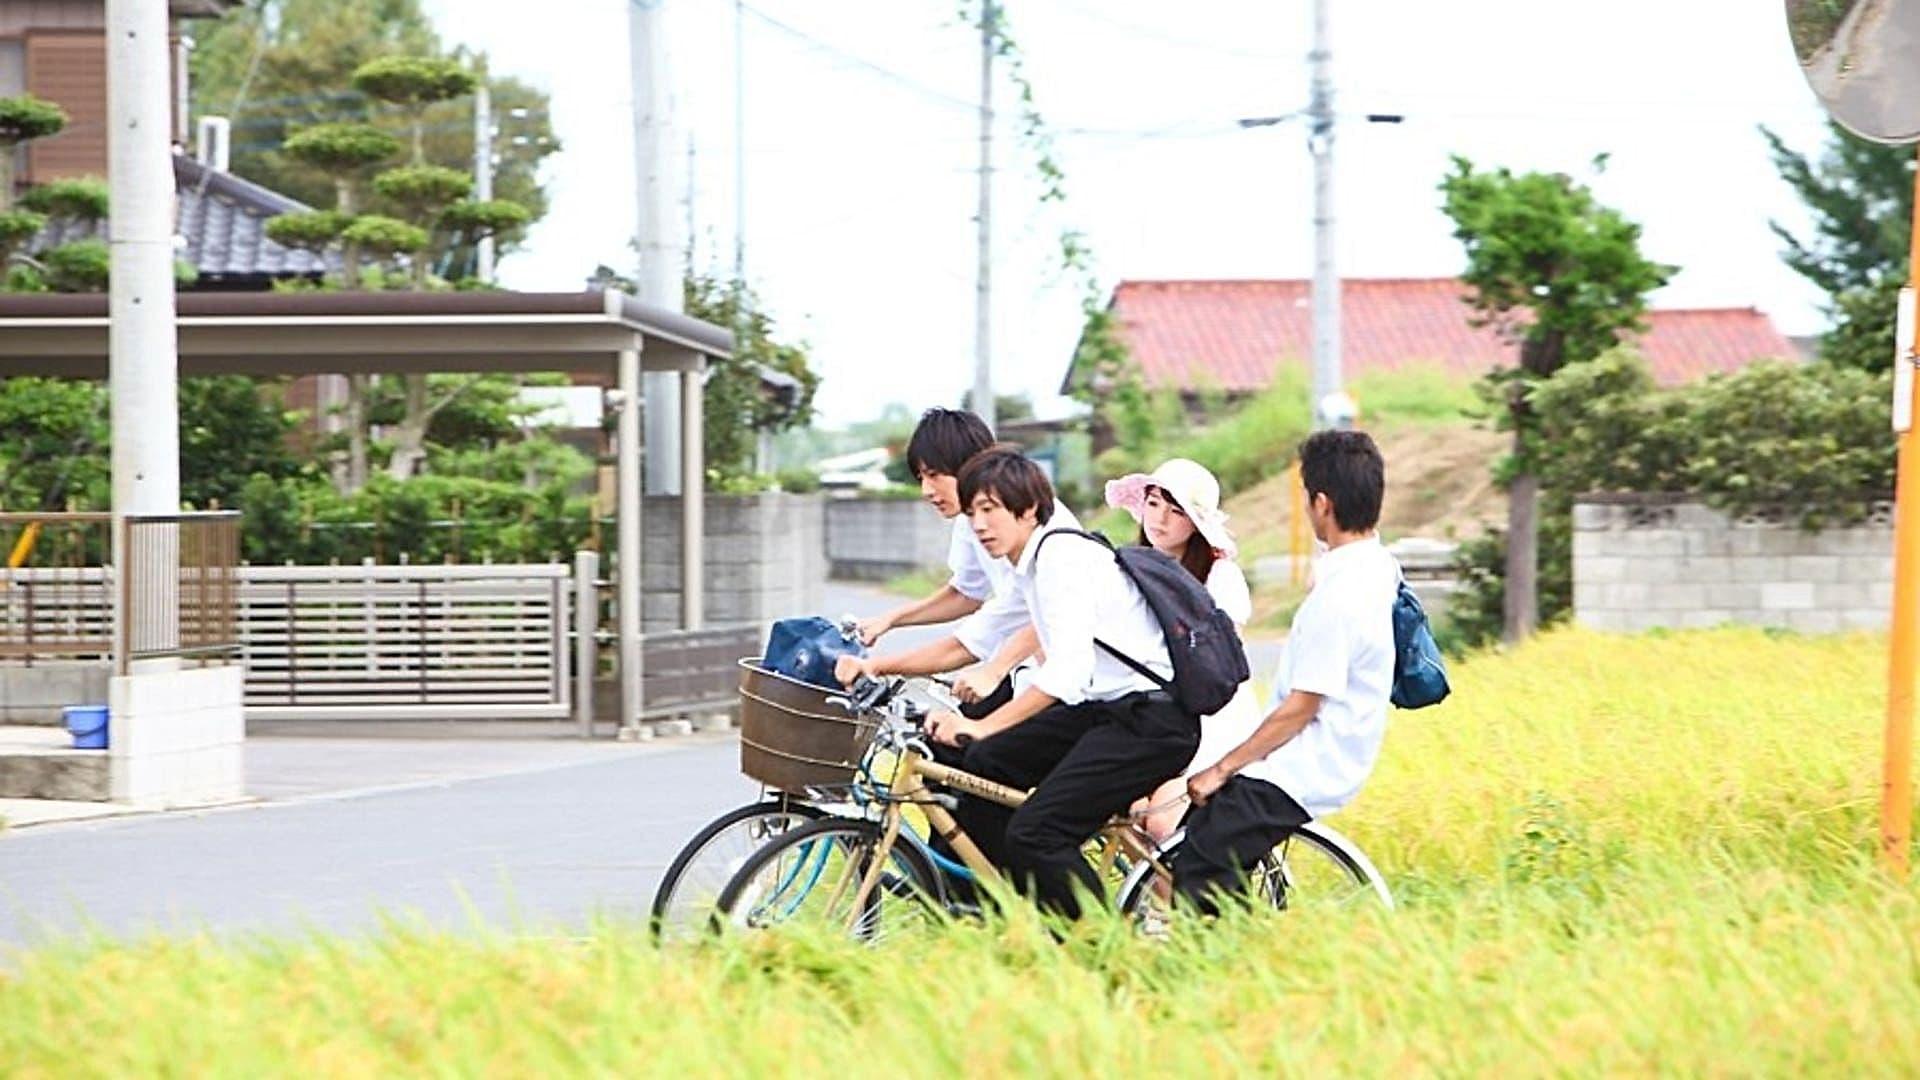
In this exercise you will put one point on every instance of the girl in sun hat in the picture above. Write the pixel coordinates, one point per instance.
(1178, 508)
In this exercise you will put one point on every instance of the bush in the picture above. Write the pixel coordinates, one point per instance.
(313, 230)
(80, 266)
(798, 481)
(385, 235)
(340, 148)
(413, 80)
(82, 199)
(1810, 440)
(422, 189)
(27, 117)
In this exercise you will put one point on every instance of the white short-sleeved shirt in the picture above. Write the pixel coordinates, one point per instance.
(1228, 587)
(1075, 591)
(1341, 647)
(1234, 724)
(980, 576)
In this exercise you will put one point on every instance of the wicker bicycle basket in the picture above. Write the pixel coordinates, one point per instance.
(791, 737)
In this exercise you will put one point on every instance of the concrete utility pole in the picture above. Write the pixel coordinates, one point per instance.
(143, 372)
(656, 160)
(483, 169)
(739, 142)
(1326, 280)
(983, 290)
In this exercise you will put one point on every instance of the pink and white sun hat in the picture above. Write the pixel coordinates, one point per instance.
(1191, 485)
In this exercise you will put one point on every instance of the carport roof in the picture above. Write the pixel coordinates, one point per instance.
(380, 332)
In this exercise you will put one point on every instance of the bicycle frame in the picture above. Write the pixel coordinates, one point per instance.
(909, 788)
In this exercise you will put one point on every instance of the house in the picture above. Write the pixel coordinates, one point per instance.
(57, 50)
(1230, 336)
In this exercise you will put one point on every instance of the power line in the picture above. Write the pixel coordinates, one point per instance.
(862, 62)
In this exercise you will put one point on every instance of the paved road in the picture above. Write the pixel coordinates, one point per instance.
(540, 848)
(511, 831)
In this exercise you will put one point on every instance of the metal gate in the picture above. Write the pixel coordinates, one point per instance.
(405, 642)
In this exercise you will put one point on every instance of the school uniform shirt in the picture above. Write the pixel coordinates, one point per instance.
(990, 580)
(1233, 724)
(1341, 647)
(1074, 591)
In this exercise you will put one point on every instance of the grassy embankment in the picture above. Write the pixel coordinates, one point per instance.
(1612, 855)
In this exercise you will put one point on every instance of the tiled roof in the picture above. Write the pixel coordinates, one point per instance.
(223, 219)
(1231, 335)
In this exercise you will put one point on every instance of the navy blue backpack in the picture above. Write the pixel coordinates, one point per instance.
(1419, 672)
(805, 649)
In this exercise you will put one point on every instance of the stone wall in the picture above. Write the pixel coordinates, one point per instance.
(766, 559)
(1646, 561)
(877, 539)
(36, 694)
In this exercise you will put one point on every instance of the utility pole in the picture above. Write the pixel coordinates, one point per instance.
(656, 162)
(983, 290)
(1326, 280)
(143, 379)
(142, 341)
(483, 169)
(739, 145)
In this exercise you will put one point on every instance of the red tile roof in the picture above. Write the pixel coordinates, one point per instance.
(1232, 334)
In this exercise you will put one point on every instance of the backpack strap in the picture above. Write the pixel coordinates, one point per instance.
(1097, 538)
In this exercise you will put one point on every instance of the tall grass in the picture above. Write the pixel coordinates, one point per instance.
(1613, 855)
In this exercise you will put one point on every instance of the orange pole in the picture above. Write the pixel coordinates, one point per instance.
(1896, 785)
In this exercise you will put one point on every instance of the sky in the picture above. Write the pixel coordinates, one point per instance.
(860, 147)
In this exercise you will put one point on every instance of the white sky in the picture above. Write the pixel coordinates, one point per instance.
(861, 193)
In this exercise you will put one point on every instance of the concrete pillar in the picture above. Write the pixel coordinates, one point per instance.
(693, 500)
(629, 573)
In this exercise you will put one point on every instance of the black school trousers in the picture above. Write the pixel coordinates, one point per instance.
(1244, 821)
(1086, 762)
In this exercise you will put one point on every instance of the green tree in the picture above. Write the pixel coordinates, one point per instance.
(1860, 196)
(1562, 277)
(414, 83)
(767, 386)
(23, 119)
(53, 441)
(307, 52)
(232, 429)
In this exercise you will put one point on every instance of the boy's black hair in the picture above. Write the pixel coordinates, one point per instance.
(944, 439)
(1348, 468)
(1013, 481)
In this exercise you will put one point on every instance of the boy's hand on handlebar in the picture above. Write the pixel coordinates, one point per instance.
(870, 630)
(849, 669)
(951, 728)
(975, 685)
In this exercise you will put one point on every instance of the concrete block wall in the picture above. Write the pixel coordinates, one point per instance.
(35, 695)
(766, 559)
(1646, 562)
(876, 539)
(176, 738)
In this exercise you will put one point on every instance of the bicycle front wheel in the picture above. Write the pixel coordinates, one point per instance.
(684, 903)
(814, 876)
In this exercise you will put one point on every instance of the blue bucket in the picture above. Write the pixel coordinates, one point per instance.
(88, 726)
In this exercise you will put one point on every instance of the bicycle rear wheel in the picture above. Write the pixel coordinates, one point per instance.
(684, 902)
(1315, 868)
(811, 876)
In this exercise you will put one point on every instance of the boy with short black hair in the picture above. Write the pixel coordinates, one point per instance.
(1312, 753)
(942, 443)
(1089, 733)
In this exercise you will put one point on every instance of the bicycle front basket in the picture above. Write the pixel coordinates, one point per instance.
(791, 737)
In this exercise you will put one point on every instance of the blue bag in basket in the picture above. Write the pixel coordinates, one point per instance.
(805, 649)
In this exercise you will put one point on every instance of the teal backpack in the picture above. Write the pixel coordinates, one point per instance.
(1419, 671)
